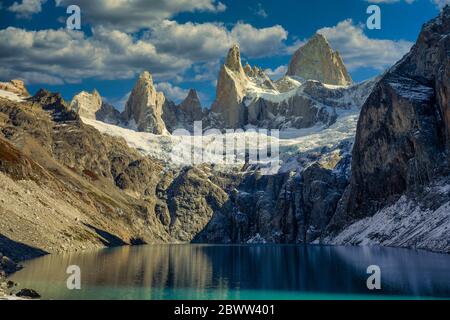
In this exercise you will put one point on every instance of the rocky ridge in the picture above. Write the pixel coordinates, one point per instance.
(247, 96)
(65, 186)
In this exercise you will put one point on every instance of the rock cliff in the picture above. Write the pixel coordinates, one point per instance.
(144, 107)
(87, 104)
(231, 89)
(402, 141)
(317, 61)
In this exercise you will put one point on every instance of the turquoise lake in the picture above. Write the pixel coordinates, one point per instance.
(261, 272)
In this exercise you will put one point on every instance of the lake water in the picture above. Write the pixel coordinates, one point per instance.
(240, 272)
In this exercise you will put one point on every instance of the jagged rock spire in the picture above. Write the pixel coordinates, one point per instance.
(87, 104)
(233, 61)
(145, 106)
(316, 60)
(192, 107)
(231, 90)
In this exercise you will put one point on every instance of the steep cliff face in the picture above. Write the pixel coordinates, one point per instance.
(402, 141)
(231, 88)
(246, 95)
(184, 115)
(192, 107)
(290, 207)
(87, 104)
(317, 61)
(144, 107)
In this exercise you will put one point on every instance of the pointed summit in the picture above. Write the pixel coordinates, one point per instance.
(316, 60)
(248, 70)
(146, 77)
(192, 95)
(233, 61)
(231, 90)
(192, 107)
(145, 106)
(87, 104)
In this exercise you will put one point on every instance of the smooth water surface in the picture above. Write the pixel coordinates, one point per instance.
(240, 272)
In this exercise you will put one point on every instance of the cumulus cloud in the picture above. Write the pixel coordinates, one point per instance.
(206, 41)
(167, 48)
(133, 15)
(174, 93)
(290, 50)
(205, 72)
(259, 42)
(26, 8)
(359, 51)
(390, 1)
(71, 56)
(441, 3)
(276, 73)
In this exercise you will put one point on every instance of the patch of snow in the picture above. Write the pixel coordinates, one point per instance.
(411, 90)
(403, 224)
(292, 142)
(11, 96)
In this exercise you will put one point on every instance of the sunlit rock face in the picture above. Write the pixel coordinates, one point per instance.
(144, 107)
(87, 104)
(317, 61)
(15, 86)
(231, 88)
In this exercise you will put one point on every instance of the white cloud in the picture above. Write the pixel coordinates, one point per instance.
(259, 42)
(118, 103)
(174, 93)
(167, 51)
(26, 8)
(294, 47)
(72, 57)
(359, 51)
(206, 72)
(206, 41)
(390, 1)
(133, 15)
(276, 73)
(441, 3)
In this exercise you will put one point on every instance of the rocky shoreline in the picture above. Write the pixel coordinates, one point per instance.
(9, 290)
(7, 267)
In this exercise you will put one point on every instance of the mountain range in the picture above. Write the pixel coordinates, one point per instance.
(362, 164)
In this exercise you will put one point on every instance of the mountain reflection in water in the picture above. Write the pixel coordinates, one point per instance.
(239, 272)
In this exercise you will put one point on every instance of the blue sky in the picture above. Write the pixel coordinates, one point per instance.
(183, 42)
